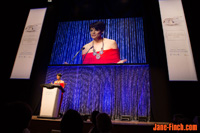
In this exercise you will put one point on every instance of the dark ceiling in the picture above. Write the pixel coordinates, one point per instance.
(92, 9)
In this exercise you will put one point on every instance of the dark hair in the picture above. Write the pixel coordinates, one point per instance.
(18, 115)
(98, 25)
(103, 122)
(59, 74)
(71, 122)
(93, 117)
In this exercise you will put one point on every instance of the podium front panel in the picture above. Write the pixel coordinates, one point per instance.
(50, 102)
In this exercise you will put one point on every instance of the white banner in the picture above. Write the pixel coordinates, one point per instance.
(177, 43)
(26, 53)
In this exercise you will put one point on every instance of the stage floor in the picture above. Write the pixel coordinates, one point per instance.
(41, 125)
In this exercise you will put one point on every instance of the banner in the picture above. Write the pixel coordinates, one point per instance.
(26, 53)
(177, 42)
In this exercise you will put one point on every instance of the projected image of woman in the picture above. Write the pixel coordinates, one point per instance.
(100, 50)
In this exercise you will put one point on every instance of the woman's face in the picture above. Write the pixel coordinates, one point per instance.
(58, 77)
(95, 34)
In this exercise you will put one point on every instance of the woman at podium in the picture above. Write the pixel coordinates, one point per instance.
(100, 50)
(59, 81)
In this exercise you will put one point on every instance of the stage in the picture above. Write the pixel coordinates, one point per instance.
(39, 125)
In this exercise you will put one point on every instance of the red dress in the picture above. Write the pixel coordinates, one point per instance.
(109, 56)
(63, 85)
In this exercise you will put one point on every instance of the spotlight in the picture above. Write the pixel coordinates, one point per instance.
(142, 119)
(126, 118)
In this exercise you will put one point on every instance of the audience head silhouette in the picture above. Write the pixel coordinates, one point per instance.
(93, 120)
(71, 122)
(18, 117)
(93, 117)
(103, 122)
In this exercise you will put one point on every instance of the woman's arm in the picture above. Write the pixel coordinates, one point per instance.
(122, 61)
(87, 46)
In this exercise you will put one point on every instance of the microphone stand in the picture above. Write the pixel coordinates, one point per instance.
(77, 54)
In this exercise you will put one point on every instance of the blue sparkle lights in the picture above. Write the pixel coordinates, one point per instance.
(114, 89)
(72, 35)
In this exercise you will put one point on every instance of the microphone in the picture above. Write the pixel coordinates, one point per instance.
(77, 54)
(87, 52)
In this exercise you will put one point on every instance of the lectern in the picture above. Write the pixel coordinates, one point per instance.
(50, 102)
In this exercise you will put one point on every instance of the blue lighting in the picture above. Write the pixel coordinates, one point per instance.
(114, 89)
(72, 35)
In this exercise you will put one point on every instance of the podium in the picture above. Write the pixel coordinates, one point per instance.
(50, 103)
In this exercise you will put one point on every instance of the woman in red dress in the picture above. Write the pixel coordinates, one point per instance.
(103, 51)
(61, 83)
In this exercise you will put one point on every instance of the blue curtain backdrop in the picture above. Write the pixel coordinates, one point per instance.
(113, 89)
(72, 35)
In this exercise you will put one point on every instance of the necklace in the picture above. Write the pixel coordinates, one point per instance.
(98, 55)
(58, 81)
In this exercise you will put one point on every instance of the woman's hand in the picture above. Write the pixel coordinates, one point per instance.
(121, 61)
(66, 63)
